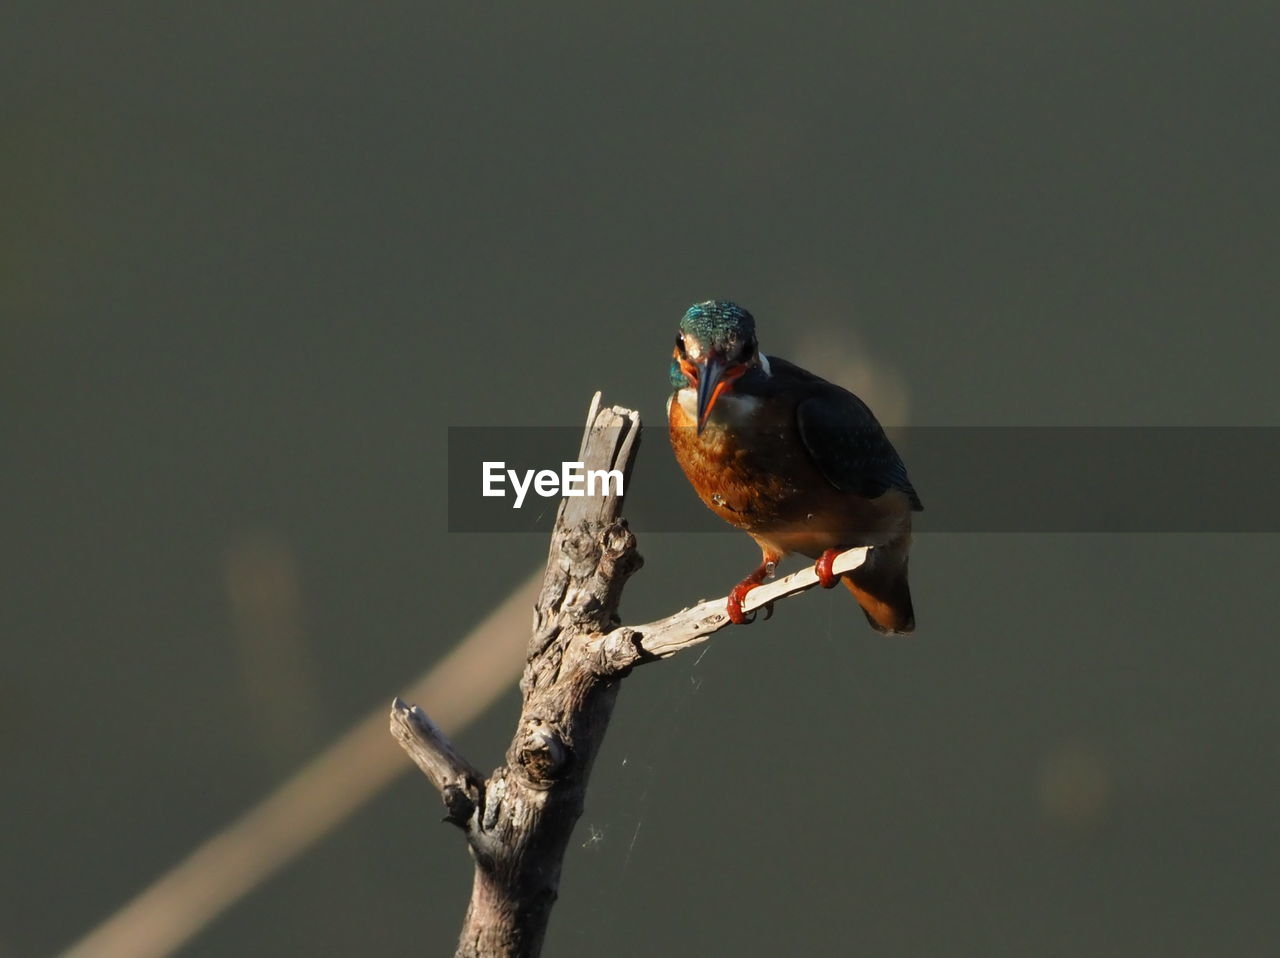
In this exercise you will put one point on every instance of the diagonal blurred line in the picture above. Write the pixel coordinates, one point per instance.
(317, 799)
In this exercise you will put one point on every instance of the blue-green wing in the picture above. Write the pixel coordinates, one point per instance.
(849, 447)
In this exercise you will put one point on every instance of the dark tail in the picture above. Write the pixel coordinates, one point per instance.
(880, 586)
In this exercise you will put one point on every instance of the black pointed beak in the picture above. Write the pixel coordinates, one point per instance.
(710, 374)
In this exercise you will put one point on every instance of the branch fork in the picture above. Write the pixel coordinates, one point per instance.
(518, 821)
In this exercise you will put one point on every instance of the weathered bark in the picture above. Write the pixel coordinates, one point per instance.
(518, 822)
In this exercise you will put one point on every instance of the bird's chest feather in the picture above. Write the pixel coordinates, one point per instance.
(748, 465)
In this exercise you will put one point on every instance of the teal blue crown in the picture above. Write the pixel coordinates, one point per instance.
(718, 323)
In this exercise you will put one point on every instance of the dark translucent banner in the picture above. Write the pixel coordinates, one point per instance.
(971, 479)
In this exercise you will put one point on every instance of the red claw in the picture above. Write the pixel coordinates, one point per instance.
(826, 578)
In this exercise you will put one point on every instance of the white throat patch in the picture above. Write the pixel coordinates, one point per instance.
(731, 408)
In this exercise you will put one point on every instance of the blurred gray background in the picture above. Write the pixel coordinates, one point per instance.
(254, 259)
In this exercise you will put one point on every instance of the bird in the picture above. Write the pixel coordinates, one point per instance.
(798, 463)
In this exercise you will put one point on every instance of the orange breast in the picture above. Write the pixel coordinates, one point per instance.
(757, 475)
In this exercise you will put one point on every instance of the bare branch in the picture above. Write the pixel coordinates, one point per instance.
(518, 822)
(627, 646)
(453, 776)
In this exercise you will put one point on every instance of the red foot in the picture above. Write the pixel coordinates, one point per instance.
(739, 592)
(734, 607)
(826, 578)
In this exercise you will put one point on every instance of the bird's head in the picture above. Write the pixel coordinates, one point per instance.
(715, 346)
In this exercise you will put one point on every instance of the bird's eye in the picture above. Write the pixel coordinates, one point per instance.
(680, 343)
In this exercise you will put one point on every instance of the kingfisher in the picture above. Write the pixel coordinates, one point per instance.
(798, 463)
